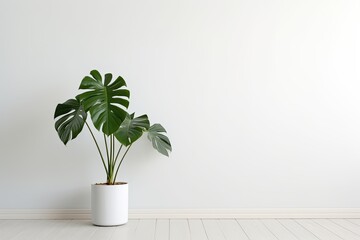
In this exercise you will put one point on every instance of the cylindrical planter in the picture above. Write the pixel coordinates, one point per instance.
(109, 204)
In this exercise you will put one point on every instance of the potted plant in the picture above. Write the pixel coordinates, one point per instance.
(107, 101)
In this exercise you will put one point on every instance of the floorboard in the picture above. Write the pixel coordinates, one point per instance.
(13, 228)
(197, 230)
(255, 229)
(278, 230)
(343, 233)
(213, 230)
(232, 230)
(145, 229)
(126, 231)
(298, 230)
(103, 233)
(76, 230)
(162, 229)
(319, 231)
(356, 221)
(184, 229)
(41, 230)
(179, 229)
(348, 224)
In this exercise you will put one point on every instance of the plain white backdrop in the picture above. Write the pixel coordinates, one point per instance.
(260, 100)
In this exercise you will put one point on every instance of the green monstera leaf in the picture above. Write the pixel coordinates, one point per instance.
(159, 141)
(71, 118)
(131, 129)
(107, 101)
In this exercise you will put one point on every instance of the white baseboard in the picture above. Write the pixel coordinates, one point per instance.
(248, 213)
(187, 213)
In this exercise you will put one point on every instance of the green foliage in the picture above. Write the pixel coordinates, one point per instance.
(159, 141)
(72, 119)
(131, 129)
(107, 101)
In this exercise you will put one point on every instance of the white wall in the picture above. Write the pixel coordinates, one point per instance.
(260, 99)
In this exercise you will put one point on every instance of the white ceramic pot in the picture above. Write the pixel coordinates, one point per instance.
(109, 204)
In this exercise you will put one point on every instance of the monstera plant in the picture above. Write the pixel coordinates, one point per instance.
(106, 100)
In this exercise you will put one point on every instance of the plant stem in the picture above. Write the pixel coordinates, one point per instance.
(98, 148)
(121, 161)
(117, 155)
(106, 146)
(111, 157)
(109, 174)
(113, 150)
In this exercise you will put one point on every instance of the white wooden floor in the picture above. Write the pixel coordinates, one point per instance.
(185, 229)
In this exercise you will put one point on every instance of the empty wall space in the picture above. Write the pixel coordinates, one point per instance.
(260, 100)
